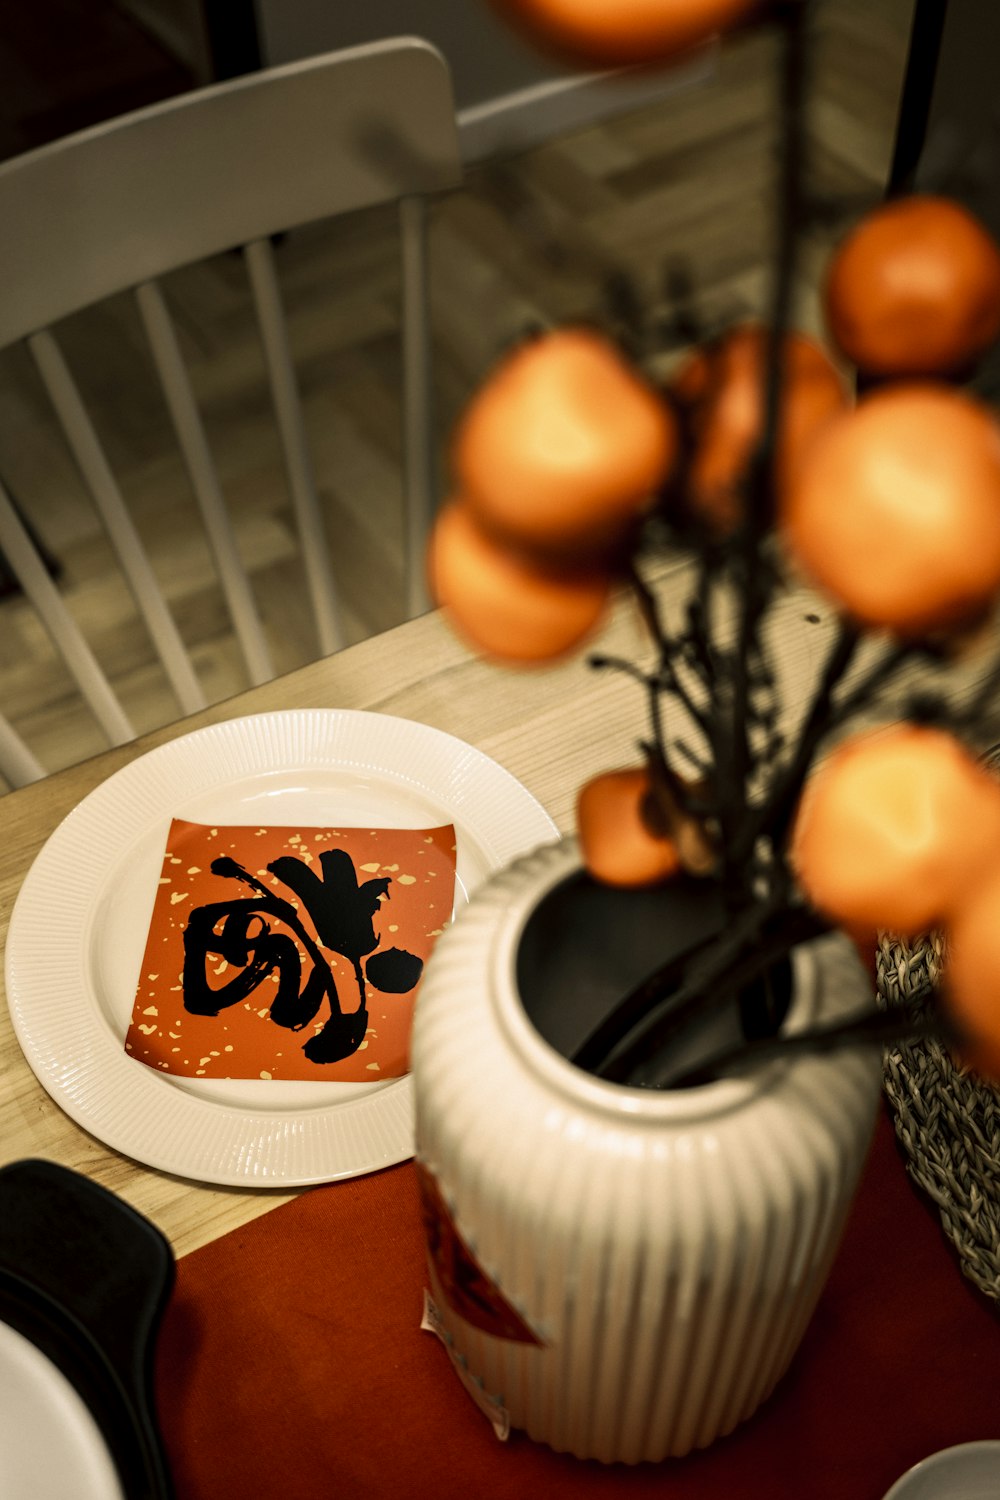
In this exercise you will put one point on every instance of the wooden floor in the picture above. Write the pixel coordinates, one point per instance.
(529, 240)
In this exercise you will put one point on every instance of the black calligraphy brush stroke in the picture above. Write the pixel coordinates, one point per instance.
(258, 953)
(340, 1037)
(394, 971)
(342, 911)
(294, 1009)
(341, 908)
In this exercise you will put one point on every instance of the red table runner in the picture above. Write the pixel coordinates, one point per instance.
(292, 1367)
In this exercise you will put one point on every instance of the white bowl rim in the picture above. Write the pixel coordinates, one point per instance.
(945, 1458)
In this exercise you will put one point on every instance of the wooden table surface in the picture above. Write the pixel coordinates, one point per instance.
(550, 728)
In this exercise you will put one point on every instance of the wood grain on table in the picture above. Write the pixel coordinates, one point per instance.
(551, 728)
(548, 728)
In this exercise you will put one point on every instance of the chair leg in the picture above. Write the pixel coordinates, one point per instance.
(418, 412)
(10, 584)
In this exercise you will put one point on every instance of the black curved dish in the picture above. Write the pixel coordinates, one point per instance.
(86, 1278)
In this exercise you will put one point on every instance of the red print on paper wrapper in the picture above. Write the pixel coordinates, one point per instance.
(290, 953)
(462, 1282)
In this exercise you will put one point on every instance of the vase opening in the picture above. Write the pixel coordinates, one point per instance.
(584, 946)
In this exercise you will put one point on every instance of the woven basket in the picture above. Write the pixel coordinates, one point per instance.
(947, 1121)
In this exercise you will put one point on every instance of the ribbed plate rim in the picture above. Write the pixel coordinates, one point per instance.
(55, 1016)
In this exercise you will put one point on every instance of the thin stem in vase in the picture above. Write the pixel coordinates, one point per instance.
(754, 582)
(706, 976)
(774, 817)
(871, 1027)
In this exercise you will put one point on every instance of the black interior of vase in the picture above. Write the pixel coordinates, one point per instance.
(586, 945)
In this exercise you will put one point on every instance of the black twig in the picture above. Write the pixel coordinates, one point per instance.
(774, 818)
(861, 695)
(593, 1052)
(869, 1028)
(680, 795)
(655, 683)
(682, 326)
(706, 977)
(726, 971)
(753, 579)
(649, 609)
(601, 662)
(699, 766)
(670, 681)
(738, 717)
(967, 716)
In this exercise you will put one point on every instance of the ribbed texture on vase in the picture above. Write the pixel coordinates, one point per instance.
(669, 1266)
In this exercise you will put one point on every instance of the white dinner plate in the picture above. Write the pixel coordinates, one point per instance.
(49, 1442)
(970, 1471)
(79, 925)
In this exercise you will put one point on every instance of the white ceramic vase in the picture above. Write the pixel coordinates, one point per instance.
(624, 1273)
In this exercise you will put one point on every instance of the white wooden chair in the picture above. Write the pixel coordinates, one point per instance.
(233, 165)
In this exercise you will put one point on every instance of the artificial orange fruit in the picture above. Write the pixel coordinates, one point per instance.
(896, 511)
(618, 844)
(915, 289)
(720, 391)
(564, 445)
(971, 977)
(895, 828)
(506, 604)
(617, 33)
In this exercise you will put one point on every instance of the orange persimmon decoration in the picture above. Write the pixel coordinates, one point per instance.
(618, 845)
(564, 445)
(915, 289)
(720, 390)
(971, 977)
(896, 512)
(617, 33)
(895, 829)
(507, 604)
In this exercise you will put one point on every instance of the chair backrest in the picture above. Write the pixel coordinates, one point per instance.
(231, 166)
